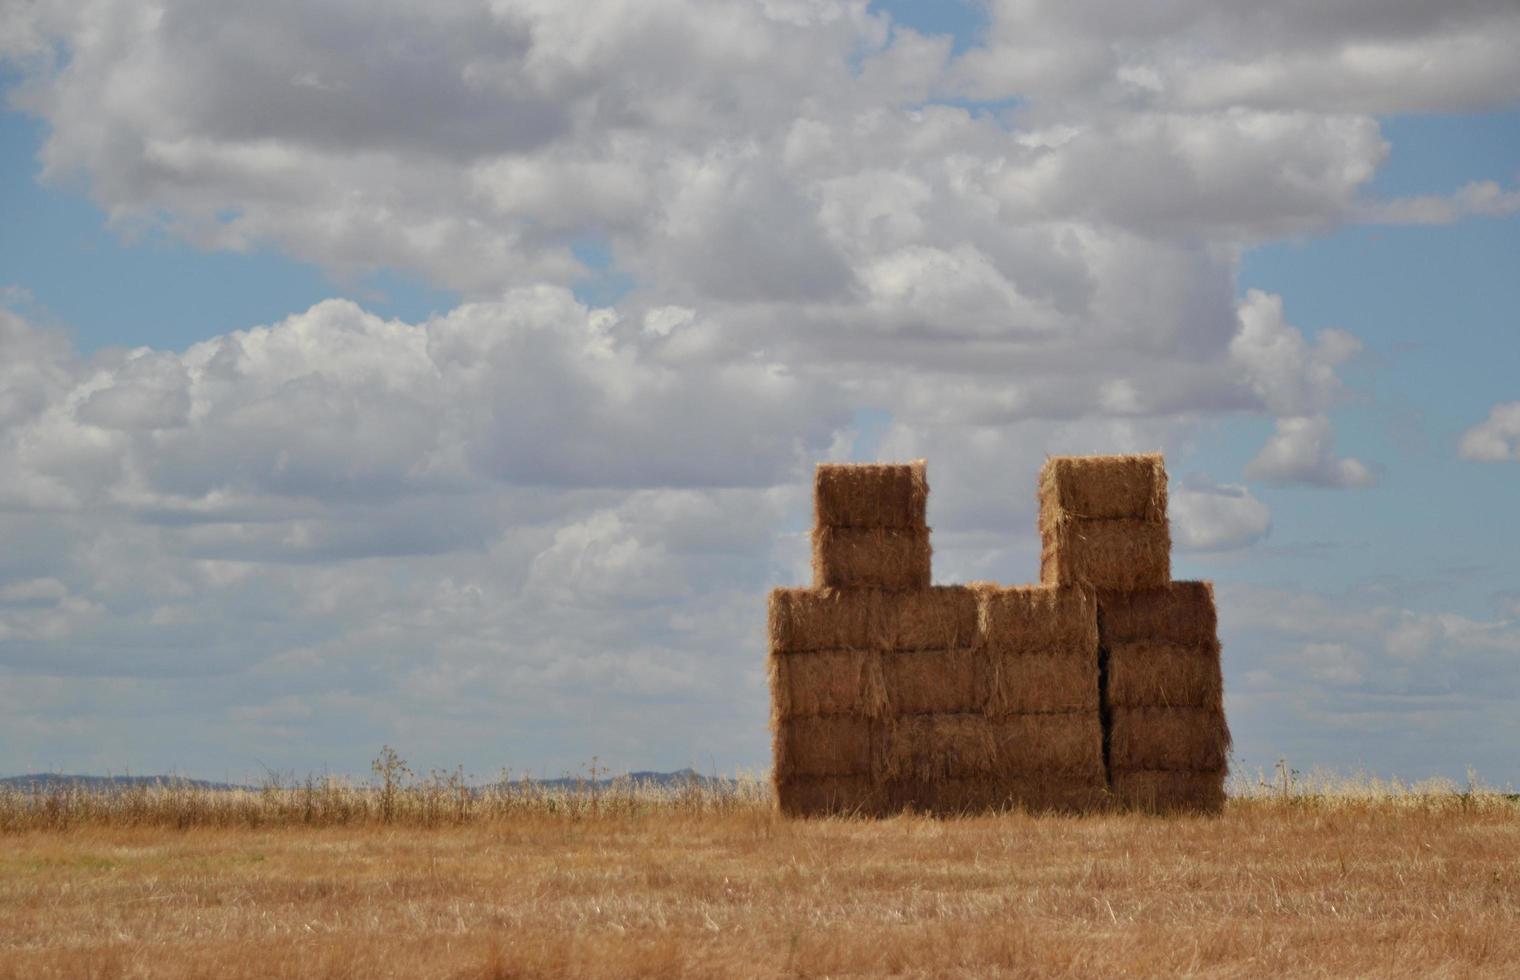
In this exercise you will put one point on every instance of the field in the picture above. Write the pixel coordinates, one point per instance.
(425, 880)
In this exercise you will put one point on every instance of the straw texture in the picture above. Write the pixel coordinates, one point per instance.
(828, 746)
(1103, 487)
(1040, 619)
(1168, 738)
(870, 495)
(1178, 612)
(827, 682)
(1106, 554)
(1164, 791)
(1165, 675)
(894, 559)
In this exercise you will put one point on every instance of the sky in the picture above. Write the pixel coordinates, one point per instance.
(451, 376)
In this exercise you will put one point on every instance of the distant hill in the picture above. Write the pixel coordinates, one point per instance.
(48, 781)
(45, 782)
(681, 777)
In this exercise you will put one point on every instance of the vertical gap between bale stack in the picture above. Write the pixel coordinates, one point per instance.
(1105, 708)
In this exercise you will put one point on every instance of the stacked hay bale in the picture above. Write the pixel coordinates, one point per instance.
(888, 693)
(1164, 695)
(1101, 683)
(840, 651)
(1103, 525)
(1039, 668)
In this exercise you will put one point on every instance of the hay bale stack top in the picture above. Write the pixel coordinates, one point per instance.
(1101, 684)
(1103, 522)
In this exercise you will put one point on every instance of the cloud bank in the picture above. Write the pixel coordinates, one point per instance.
(558, 519)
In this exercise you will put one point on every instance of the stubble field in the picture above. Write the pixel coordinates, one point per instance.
(346, 883)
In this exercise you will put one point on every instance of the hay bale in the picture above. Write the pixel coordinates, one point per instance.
(1170, 790)
(827, 745)
(1181, 613)
(1106, 554)
(931, 748)
(1070, 743)
(820, 796)
(870, 495)
(1164, 675)
(1168, 738)
(894, 559)
(803, 620)
(1020, 683)
(1036, 793)
(827, 682)
(927, 681)
(1039, 619)
(1103, 487)
(937, 618)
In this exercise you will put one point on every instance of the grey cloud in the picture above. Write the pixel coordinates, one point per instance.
(1350, 55)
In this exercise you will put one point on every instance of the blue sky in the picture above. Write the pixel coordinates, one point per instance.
(356, 399)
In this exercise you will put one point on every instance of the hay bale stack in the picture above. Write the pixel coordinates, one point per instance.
(1041, 696)
(846, 667)
(1101, 683)
(1103, 522)
(1164, 695)
(870, 527)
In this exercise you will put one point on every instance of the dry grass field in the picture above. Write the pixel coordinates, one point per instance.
(428, 881)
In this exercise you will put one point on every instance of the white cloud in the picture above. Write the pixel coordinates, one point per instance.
(1496, 438)
(531, 509)
(1208, 516)
(1289, 375)
(1302, 450)
(1478, 198)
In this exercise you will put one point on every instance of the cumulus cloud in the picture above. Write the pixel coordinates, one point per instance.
(1496, 438)
(1208, 516)
(531, 506)
(1302, 450)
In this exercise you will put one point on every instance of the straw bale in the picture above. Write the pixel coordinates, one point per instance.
(866, 619)
(1181, 613)
(817, 796)
(937, 618)
(827, 682)
(804, 620)
(1168, 738)
(1018, 683)
(881, 558)
(826, 745)
(1071, 743)
(1104, 487)
(1040, 619)
(1106, 554)
(1036, 793)
(1164, 675)
(870, 495)
(1168, 790)
(930, 748)
(924, 681)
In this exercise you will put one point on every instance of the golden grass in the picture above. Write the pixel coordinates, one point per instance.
(1295, 878)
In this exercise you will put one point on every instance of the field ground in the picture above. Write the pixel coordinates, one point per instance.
(1407, 885)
